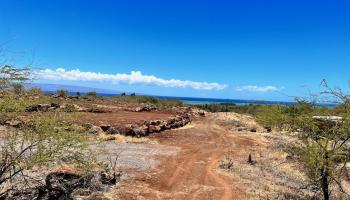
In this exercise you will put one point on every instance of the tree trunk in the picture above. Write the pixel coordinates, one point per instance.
(325, 185)
(325, 180)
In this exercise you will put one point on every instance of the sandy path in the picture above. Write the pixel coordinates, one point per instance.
(192, 173)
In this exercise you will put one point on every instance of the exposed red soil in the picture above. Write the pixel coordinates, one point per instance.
(192, 173)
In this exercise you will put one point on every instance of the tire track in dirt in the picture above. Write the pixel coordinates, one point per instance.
(192, 173)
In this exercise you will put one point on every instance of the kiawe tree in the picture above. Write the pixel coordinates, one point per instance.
(45, 139)
(324, 139)
(10, 76)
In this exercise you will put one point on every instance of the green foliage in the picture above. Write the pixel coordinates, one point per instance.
(46, 140)
(17, 88)
(62, 93)
(66, 141)
(34, 92)
(286, 116)
(10, 103)
(146, 100)
(91, 94)
(250, 109)
(133, 94)
(10, 75)
(69, 108)
(322, 150)
(123, 94)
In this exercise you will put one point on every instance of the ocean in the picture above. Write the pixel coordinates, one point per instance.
(195, 100)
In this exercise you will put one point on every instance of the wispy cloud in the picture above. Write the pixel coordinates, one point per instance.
(134, 77)
(259, 89)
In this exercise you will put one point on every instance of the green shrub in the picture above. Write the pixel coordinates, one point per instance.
(69, 108)
(17, 88)
(45, 140)
(62, 93)
(34, 92)
(145, 100)
(91, 94)
(11, 75)
(10, 103)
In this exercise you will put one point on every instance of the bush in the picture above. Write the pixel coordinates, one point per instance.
(91, 94)
(17, 88)
(69, 108)
(230, 107)
(45, 140)
(10, 75)
(146, 100)
(322, 149)
(34, 92)
(9, 103)
(62, 93)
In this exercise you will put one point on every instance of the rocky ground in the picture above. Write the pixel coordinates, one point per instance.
(221, 156)
(115, 139)
(111, 119)
(174, 153)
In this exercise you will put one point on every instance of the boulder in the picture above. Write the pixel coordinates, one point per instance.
(127, 130)
(14, 123)
(55, 105)
(240, 129)
(201, 113)
(171, 120)
(39, 107)
(92, 129)
(105, 127)
(146, 108)
(253, 130)
(154, 129)
(112, 131)
(155, 122)
(62, 184)
(142, 130)
(68, 185)
(268, 129)
(138, 109)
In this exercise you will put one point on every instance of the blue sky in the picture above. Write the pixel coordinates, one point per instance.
(225, 49)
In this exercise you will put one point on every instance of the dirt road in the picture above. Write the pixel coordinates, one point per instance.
(192, 173)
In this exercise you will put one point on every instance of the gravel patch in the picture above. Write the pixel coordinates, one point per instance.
(132, 156)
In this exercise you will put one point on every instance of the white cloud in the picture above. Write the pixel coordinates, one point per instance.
(135, 77)
(259, 89)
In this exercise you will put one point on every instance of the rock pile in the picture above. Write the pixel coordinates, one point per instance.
(146, 108)
(67, 185)
(11, 122)
(64, 107)
(42, 107)
(148, 127)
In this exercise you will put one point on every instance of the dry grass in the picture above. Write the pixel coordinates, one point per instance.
(232, 119)
(271, 175)
(122, 139)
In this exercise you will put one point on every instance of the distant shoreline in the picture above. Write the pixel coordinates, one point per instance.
(200, 100)
(52, 88)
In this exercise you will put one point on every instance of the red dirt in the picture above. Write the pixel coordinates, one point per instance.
(192, 173)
